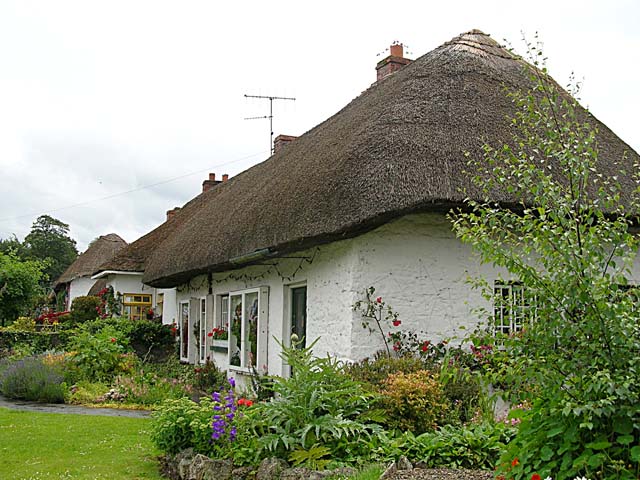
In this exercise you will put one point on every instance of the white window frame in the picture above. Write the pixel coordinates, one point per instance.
(286, 320)
(181, 329)
(262, 329)
(511, 314)
(202, 343)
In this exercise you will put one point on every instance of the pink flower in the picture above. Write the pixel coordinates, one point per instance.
(379, 300)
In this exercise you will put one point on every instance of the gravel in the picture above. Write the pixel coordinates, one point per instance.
(441, 474)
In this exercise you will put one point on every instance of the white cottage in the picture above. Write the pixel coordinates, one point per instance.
(289, 245)
(77, 280)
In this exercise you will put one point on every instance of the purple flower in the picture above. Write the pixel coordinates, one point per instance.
(232, 382)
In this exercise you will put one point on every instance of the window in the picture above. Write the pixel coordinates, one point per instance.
(247, 314)
(184, 331)
(159, 304)
(221, 320)
(203, 330)
(136, 305)
(512, 307)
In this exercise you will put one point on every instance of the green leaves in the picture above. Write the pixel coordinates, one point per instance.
(568, 241)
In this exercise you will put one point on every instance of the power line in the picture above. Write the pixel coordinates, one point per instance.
(108, 197)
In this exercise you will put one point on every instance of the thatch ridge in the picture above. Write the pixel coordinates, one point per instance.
(100, 250)
(397, 148)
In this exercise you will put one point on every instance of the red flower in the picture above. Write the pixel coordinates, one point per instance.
(515, 462)
(246, 402)
(425, 346)
(113, 340)
(379, 300)
(396, 322)
(396, 346)
(210, 334)
(535, 476)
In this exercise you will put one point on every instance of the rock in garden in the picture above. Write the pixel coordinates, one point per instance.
(271, 468)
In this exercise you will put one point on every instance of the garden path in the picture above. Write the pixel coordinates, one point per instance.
(70, 409)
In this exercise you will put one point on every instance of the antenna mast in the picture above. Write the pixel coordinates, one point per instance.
(270, 116)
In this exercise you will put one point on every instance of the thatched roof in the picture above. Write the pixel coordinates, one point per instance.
(97, 287)
(397, 148)
(134, 257)
(100, 250)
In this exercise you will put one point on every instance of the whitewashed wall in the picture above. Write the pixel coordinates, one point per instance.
(79, 287)
(130, 283)
(418, 266)
(415, 263)
(328, 280)
(169, 305)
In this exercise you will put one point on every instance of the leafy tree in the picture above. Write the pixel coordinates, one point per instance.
(12, 244)
(49, 240)
(568, 242)
(19, 286)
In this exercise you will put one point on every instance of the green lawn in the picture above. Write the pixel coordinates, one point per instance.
(36, 446)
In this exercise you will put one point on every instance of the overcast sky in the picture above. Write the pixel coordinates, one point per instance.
(99, 98)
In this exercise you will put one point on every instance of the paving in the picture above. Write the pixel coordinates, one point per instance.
(70, 409)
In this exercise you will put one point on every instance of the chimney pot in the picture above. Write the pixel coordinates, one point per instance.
(396, 50)
(225, 177)
(212, 177)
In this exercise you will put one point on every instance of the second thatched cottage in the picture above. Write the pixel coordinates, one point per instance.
(289, 245)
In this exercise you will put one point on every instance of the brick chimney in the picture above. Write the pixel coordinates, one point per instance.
(172, 212)
(282, 141)
(225, 177)
(394, 62)
(210, 182)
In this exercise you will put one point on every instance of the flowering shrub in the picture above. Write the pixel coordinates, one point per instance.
(110, 303)
(183, 423)
(209, 377)
(32, 379)
(52, 318)
(375, 309)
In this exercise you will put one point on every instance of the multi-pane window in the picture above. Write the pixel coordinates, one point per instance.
(136, 305)
(244, 310)
(512, 307)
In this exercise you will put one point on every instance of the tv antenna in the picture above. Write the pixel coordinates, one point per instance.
(270, 116)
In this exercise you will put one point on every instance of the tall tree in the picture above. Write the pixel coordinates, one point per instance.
(49, 241)
(19, 285)
(12, 244)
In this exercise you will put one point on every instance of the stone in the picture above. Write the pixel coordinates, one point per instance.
(271, 469)
(389, 472)
(243, 473)
(403, 463)
(183, 462)
(219, 469)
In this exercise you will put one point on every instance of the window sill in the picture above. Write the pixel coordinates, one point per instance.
(219, 345)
